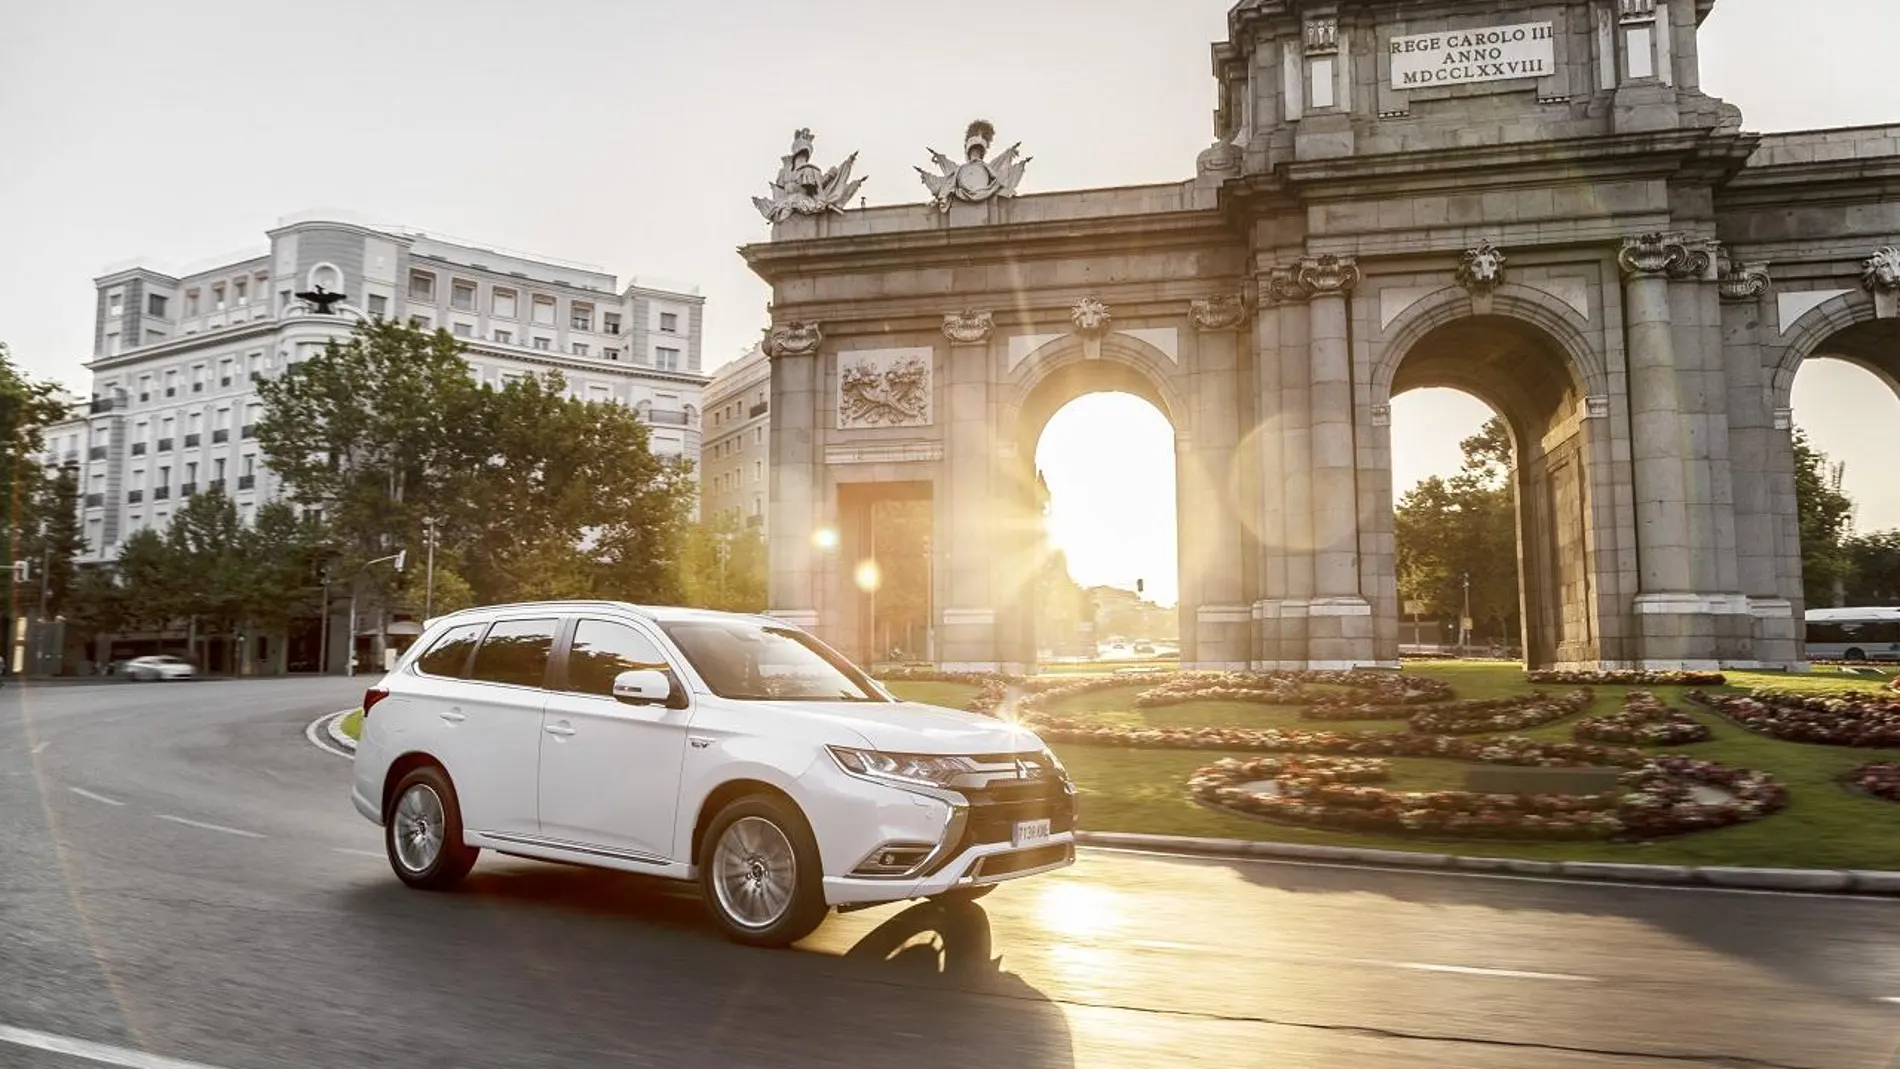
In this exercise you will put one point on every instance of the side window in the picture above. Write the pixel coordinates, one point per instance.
(515, 651)
(448, 658)
(603, 650)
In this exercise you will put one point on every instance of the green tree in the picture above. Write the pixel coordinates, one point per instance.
(722, 566)
(277, 578)
(150, 594)
(1826, 515)
(1873, 562)
(52, 540)
(207, 547)
(1450, 531)
(98, 608)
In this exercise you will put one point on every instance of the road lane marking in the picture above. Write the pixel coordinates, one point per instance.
(209, 827)
(1509, 974)
(84, 793)
(99, 1053)
(319, 727)
(41, 748)
(1893, 1000)
(359, 853)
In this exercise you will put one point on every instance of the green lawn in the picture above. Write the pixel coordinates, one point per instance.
(352, 724)
(1824, 824)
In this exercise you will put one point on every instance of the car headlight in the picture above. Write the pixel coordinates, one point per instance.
(1055, 762)
(922, 770)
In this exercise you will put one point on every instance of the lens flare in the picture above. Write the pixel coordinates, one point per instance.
(825, 538)
(868, 576)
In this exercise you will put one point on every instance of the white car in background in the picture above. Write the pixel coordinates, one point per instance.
(159, 668)
(735, 751)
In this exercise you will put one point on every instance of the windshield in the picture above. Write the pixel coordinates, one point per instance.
(750, 661)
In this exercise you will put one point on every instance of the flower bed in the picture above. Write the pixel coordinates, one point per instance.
(1367, 689)
(1645, 721)
(1338, 794)
(1502, 714)
(1882, 780)
(1626, 678)
(1844, 718)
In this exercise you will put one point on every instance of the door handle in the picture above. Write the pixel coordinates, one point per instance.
(454, 716)
(561, 729)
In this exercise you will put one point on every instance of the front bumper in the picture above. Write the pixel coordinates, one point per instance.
(968, 831)
(975, 867)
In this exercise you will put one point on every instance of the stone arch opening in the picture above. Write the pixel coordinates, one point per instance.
(1035, 555)
(1524, 374)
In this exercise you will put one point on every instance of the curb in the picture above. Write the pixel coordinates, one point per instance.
(333, 727)
(1834, 881)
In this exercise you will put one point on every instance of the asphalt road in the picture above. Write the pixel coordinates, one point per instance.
(182, 878)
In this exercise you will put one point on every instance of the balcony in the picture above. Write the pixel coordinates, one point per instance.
(246, 482)
(133, 497)
(165, 445)
(138, 449)
(97, 452)
(222, 434)
(249, 430)
(160, 493)
(758, 410)
(187, 489)
(102, 404)
(215, 484)
(194, 439)
(95, 501)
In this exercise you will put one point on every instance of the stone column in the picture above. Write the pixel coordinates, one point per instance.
(1751, 428)
(1340, 629)
(1672, 431)
(1283, 452)
(967, 615)
(796, 483)
(1206, 455)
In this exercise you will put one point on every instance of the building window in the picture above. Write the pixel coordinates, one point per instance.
(758, 471)
(611, 354)
(217, 297)
(462, 295)
(112, 344)
(669, 323)
(503, 304)
(419, 322)
(544, 311)
(241, 291)
(463, 330)
(378, 305)
(505, 337)
(155, 304)
(580, 316)
(191, 303)
(599, 394)
(250, 464)
(610, 322)
(224, 371)
(580, 348)
(758, 435)
(667, 359)
(543, 344)
(421, 286)
(115, 304)
(283, 300)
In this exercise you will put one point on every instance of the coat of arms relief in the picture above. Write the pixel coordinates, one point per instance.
(884, 388)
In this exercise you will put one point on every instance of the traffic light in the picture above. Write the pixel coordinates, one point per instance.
(401, 558)
(22, 571)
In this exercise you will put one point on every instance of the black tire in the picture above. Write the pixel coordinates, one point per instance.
(806, 909)
(964, 894)
(452, 858)
(1855, 655)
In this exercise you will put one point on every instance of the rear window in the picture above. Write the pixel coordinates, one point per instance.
(449, 656)
(515, 651)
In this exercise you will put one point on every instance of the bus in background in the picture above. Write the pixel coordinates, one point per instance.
(1870, 634)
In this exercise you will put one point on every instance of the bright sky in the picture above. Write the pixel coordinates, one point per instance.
(631, 135)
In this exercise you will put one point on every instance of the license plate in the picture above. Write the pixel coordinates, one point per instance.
(1030, 832)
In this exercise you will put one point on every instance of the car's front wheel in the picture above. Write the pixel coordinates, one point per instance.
(759, 871)
(423, 832)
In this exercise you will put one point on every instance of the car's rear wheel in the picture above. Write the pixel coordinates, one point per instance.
(423, 832)
(1856, 655)
(759, 871)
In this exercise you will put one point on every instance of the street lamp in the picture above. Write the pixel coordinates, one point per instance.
(429, 525)
(1464, 621)
(398, 559)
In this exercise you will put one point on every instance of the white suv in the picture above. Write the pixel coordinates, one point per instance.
(734, 750)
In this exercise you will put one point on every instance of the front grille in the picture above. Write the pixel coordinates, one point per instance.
(995, 810)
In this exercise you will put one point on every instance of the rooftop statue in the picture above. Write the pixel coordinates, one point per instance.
(978, 178)
(802, 189)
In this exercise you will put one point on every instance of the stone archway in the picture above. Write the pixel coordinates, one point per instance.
(1525, 374)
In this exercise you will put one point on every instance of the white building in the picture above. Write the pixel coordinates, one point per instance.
(173, 409)
(735, 462)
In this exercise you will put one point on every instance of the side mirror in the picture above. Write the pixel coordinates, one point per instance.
(643, 686)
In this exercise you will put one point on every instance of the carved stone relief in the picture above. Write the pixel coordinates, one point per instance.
(797, 338)
(1225, 311)
(884, 388)
(801, 188)
(968, 327)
